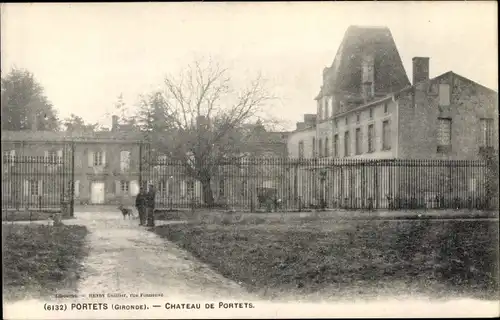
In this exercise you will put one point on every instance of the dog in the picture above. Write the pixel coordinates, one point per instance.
(126, 212)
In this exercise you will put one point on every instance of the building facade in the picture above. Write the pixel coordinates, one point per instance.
(106, 165)
(368, 110)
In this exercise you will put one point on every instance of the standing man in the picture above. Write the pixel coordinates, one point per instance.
(140, 204)
(150, 202)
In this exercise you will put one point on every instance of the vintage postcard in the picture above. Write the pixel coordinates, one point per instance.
(249, 160)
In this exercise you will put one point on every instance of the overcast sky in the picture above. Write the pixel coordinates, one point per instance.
(86, 54)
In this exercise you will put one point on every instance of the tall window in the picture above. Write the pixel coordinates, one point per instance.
(313, 147)
(34, 187)
(444, 135)
(301, 149)
(320, 148)
(386, 135)
(358, 141)
(124, 161)
(386, 108)
(98, 158)
(347, 144)
(190, 187)
(371, 113)
(357, 118)
(124, 186)
(336, 146)
(52, 156)
(327, 151)
(444, 94)
(371, 136)
(486, 132)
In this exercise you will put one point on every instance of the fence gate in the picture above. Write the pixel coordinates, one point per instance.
(41, 183)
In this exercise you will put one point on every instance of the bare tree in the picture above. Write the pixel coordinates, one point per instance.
(198, 117)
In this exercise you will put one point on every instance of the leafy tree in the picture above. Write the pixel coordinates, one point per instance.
(23, 101)
(198, 119)
(76, 123)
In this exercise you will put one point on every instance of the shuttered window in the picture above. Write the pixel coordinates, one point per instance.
(358, 141)
(486, 132)
(33, 187)
(314, 147)
(327, 149)
(444, 135)
(371, 136)
(347, 144)
(336, 146)
(124, 161)
(386, 135)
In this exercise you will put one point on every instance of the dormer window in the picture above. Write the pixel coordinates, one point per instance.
(368, 76)
(326, 104)
(320, 109)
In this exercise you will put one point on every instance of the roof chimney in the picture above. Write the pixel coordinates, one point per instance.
(114, 123)
(310, 120)
(301, 126)
(420, 69)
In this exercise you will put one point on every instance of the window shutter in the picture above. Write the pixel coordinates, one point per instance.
(46, 157)
(104, 158)
(26, 188)
(197, 189)
(134, 188)
(91, 158)
(118, 189)
(40, 188)
(183, 188)
(77, 188)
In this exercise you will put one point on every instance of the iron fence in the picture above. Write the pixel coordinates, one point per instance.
(295, 185)
(38, 183)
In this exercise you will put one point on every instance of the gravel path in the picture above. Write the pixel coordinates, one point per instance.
(126, 258)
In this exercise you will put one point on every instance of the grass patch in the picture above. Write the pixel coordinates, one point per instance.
(309, 255)
(39, 260)
(27, 215)
(166, 214)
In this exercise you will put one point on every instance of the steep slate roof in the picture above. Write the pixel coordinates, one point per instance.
(51, 136)
(344, 75)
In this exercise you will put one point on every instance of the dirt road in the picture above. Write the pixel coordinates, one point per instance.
(126, 258)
